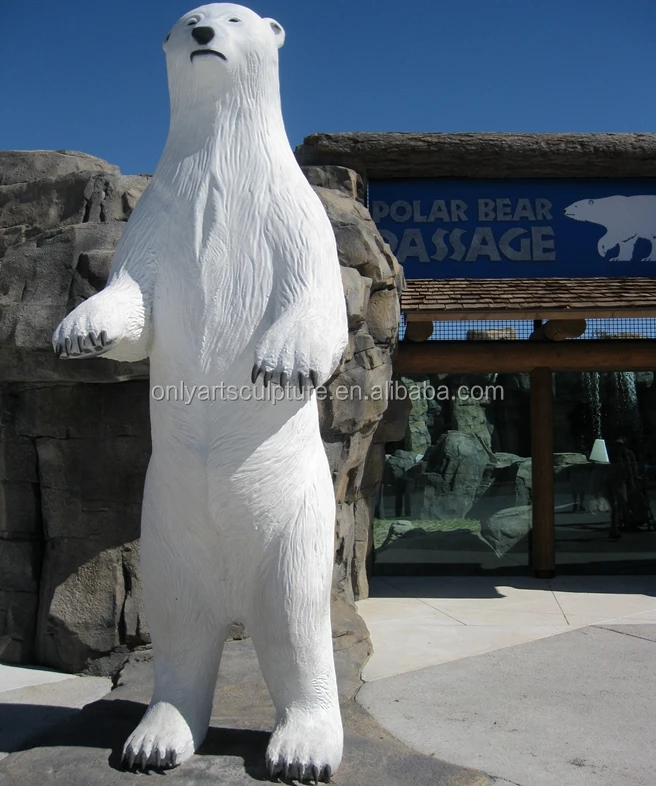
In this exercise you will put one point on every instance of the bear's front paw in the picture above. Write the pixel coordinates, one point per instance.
(293, 353)
(77, 345)
(86, 332)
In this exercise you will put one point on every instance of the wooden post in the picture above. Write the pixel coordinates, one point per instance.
(559, 330)
(544, 534)
(418, 331)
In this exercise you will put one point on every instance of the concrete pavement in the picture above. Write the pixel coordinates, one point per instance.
(529, 701)
(33, 700)
(575, 709)
(419, 622)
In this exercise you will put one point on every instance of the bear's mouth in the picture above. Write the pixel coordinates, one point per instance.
(207, 52)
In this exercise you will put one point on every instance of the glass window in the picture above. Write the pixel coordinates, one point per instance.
(605, 479)
(456, 496)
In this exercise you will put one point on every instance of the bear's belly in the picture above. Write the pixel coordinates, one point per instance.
(248, 461)
(249, 494)
(215, 426)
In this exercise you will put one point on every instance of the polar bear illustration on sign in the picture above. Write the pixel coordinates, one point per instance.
(627, 219)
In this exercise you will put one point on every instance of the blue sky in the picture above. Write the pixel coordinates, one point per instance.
(91, 76)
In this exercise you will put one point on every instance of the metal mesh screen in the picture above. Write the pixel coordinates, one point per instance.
(517, 330)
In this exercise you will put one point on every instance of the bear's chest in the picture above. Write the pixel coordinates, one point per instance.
(215, 272)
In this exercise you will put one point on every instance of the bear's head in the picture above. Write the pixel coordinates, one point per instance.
(583, 210)
(221, 48)
(597, 211)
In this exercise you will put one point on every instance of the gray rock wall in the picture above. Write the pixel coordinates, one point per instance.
(75, 437)
(372, 282)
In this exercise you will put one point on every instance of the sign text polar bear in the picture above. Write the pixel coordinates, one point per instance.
(229, 261)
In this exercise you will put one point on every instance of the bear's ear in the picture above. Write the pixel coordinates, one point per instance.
(278, 32)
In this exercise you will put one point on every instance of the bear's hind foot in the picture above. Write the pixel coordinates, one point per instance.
(298, 771)
(306, 747)
(161, 741)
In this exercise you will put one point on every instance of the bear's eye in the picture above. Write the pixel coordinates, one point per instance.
(234, 19)
(193, 21)
(591, 201)
(167, 37)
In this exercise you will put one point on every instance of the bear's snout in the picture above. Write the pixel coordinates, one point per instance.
(203, 35)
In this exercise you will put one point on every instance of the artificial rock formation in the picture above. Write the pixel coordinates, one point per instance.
(75, 435)
(73, 451)
(351, 413)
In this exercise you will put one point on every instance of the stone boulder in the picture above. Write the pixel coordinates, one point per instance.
(470, 416)
(359, 243)
(399, 462)
(336, 178)
(524, 482)
(30, 166)
(455, 468)
(506, 528)
(417, 437)
(357, 290)
(500, 475)
(567, 467)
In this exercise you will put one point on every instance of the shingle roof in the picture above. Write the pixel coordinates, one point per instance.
(529, 298)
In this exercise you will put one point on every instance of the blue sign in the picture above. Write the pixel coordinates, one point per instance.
(518, 228)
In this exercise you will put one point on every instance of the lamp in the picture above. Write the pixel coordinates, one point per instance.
(599, 452)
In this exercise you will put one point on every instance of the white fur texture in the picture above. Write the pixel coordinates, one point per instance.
(228, 262)
(627, 220)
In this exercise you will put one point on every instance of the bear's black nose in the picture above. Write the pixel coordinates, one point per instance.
(203, 34)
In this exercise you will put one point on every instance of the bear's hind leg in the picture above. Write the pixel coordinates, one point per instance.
(291, 630)
(652, 253)
(187, 628)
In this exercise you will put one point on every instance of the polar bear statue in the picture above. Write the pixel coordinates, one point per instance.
(626, 219)
(227, 272)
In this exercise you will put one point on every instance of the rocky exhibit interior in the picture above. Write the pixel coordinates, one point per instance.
(457, 487)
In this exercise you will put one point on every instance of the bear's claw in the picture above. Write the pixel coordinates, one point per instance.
(81, 345)
(298, 771)
(303, 380)
(143, 761)
(299, 348)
